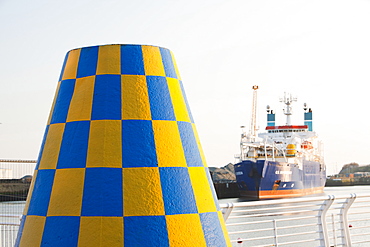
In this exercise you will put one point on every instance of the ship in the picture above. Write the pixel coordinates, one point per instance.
(282, 162)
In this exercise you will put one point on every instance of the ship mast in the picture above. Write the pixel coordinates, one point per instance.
(288, 100)
(253, 127)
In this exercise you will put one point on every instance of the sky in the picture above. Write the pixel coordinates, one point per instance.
(317, 50)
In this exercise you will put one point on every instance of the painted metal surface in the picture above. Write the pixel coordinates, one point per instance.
(121, 162)
(270, 179)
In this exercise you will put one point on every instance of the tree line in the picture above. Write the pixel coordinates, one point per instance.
(354, 167)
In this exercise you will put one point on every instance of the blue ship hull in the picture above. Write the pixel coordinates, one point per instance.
(264, 179)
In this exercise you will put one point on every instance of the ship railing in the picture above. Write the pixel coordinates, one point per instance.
(307, 221)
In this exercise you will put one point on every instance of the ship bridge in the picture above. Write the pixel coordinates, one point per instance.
(287, 128)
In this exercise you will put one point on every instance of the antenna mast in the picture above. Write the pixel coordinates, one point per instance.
(253, 127)
(288, 100)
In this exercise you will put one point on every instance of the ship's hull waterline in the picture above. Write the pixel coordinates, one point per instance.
(272, 180)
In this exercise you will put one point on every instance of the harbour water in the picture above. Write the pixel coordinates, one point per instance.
(16, 208)
(336, 191)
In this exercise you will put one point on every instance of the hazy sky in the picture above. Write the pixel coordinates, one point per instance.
(318, 50)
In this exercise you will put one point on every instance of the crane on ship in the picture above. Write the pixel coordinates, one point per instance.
(251, 137)
(253, 127)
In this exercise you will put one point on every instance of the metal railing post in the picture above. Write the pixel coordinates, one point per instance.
(344, 220)
(227, 211)
(323, 229)
(275, 233)
(334, 232)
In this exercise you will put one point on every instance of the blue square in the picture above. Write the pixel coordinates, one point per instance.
(64, 66)
(132, 60)
(212, 229)
(61, 231)
(73, 150)
(177, 191)
(137, 134)
(189, 144)
(42, 147)
(160, 98)
(145, 231)
(63, 101)
(88, 61)
(103, 195)
(107, 98)
(39, 203)
(169, 67)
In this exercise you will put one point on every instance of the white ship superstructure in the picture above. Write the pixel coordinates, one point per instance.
(292, 150)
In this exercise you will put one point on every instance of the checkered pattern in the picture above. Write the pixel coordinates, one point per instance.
(121, 163)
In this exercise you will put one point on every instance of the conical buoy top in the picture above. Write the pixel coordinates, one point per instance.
(121, 163)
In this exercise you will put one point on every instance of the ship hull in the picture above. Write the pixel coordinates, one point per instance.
(264, 179)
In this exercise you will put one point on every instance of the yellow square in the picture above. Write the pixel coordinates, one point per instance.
(202, 190)
(153, 64)
(199, 145)
(70, 69)
(105, 144)
(142, 192)
(135, 99)
(170, 152)
(50, 154)
(81, 102)
(185, 230)
(178, 101)
(175, 65)
(66, 194)
(109, 60)
(101, 231)
(32, 231)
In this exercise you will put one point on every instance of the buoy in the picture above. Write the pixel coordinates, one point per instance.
(121, 163)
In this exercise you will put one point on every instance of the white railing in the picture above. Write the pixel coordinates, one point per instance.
(14, 184)
(307, 221)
